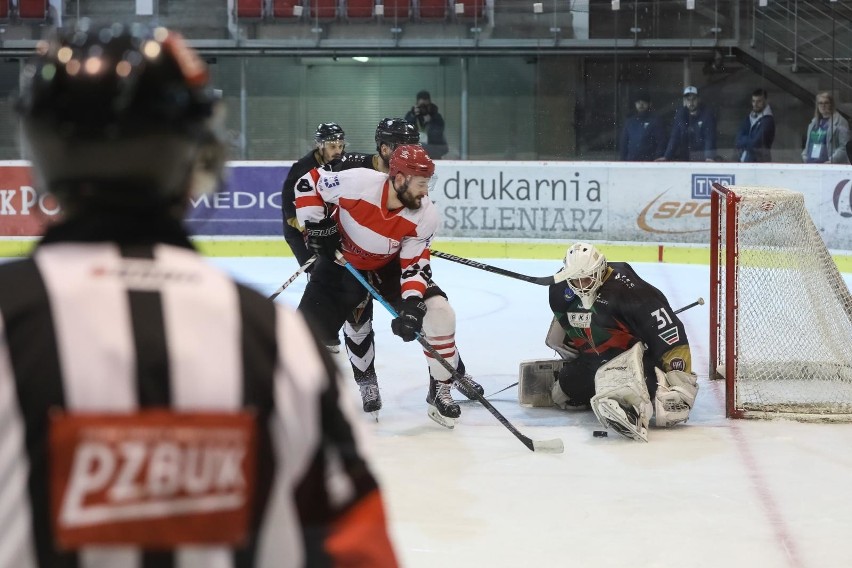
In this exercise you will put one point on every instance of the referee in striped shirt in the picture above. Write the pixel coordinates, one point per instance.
(154, 413)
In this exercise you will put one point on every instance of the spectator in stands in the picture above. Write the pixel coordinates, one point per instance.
(643, 138)
(425, 117)
(693, 137)
(757, 131)
(828, 133)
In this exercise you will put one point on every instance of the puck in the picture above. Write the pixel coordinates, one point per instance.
(600, 434)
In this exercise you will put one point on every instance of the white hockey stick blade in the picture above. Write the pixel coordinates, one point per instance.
(554, 446)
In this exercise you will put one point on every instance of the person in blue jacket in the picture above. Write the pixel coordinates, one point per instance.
(643, 138)
(693, 136)
(757, 131)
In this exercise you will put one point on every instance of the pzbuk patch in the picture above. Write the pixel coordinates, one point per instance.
(579, 319)
(154, 479)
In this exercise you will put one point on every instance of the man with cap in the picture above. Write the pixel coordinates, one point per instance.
(643, 138)
(693, 136)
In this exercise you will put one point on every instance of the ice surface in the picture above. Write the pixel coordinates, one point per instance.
(713, 492)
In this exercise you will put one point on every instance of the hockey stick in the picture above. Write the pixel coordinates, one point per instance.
(550, 446)
(292, 279)
(540, 280)
(698, 302)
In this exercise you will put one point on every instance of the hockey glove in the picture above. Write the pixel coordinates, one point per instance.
(323, 238)
(410, 320)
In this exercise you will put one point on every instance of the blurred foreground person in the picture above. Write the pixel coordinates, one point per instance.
(152, 411)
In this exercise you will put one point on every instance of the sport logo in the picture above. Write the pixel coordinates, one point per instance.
(155, 479)
(843, 198)
(702, 184)
(670, 336)
(577, 319)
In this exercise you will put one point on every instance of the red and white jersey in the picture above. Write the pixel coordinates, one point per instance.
(371, 235)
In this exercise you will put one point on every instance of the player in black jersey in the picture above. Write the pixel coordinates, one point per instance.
(330, 142)
(358, 329)
(624, 345)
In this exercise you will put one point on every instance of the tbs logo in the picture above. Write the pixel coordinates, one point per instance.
(702, 184)
(843, 198)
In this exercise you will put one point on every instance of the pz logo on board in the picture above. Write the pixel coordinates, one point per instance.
(702, 184)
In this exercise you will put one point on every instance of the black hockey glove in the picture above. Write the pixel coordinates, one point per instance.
(323, 238)
(410, 320)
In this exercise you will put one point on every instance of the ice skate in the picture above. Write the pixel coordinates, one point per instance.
(468, 386)
(442, 408)
(623, 420)
(368, 384)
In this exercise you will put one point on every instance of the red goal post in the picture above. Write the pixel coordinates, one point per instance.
(780, 312)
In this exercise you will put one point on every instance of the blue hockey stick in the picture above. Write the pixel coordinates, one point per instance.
(550, 446)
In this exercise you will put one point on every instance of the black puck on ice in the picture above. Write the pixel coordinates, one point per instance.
(600, 434)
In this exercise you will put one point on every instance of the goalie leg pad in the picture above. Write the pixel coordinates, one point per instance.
(676, 392)
(535, 382)
(621, 398)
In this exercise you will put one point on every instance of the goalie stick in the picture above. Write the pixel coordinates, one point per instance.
(292, 279)
(550, 446)
(540, 280)
(698, 302)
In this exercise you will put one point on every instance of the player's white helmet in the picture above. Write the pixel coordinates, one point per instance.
(585, 268)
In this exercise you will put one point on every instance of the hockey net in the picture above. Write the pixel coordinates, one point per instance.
(781, 314)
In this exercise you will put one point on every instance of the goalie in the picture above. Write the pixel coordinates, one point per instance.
(622, 347)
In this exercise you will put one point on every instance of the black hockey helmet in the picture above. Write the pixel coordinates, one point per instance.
(396, 131)
(328, 132)
(124, 111)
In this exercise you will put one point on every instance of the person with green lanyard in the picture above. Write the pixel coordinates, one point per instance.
(828, 133)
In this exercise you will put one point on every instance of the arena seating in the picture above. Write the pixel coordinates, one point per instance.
(249, 9)
(323, 9)
(359, 9)
(32, 9)
(286, 9)
(397, 9)
(432, 9)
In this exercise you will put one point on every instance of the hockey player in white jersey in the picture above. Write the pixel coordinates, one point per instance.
(358, 328)
(384, 224)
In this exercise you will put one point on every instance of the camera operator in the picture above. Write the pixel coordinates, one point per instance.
(425, 117)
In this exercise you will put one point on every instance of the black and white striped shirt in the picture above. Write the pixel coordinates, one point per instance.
(94, 326)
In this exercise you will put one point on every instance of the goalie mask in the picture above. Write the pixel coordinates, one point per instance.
(585, 268)
(120, 117)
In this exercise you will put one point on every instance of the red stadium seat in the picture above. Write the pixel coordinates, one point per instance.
(284, 9)
(433, 9)
(397, 9)
(323, 9)
(32, 9)
(4, 9)
(249, 9)
(356, 9)
(473, 9)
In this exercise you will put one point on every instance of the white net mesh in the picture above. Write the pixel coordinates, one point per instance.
(793, 335)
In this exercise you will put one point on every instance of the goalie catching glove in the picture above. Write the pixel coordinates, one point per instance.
(409, 322)
(676, 391)
(323, 237)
